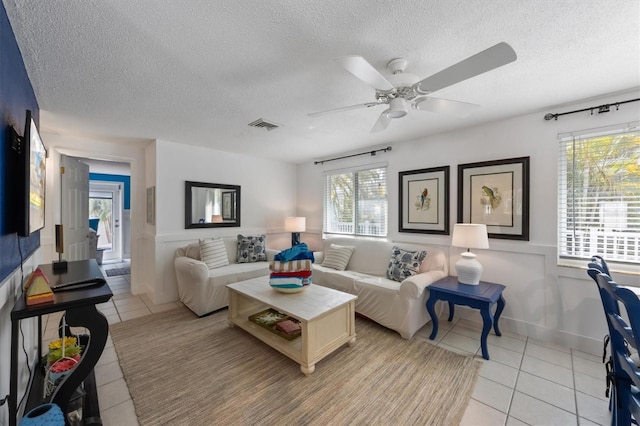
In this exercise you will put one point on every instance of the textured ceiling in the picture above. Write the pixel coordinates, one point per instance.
(198, 71)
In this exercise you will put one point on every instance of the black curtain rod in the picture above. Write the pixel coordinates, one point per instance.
(600, 109)
(354, 155)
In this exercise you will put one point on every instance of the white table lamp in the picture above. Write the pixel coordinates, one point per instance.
(295, 225)
(469, 235)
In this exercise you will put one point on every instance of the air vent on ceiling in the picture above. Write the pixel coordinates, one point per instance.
(264, 124)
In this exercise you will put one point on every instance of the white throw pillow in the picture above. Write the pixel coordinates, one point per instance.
(404, 263)
(337, 257)
(213, 253)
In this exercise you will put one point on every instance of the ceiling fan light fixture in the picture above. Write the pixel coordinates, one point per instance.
(397, 108)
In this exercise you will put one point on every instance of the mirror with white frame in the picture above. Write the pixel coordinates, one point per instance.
(211, 205)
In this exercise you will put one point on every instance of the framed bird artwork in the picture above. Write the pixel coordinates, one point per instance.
(424, 201)
(496, 193)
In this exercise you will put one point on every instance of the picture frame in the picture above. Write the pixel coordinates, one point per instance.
(227, 205)
(496, 193)
(424, 201)
(151, 205)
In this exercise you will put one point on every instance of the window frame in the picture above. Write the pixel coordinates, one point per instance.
(576, 234)
(355, 225)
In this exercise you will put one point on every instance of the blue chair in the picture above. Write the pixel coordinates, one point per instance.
(626, 405)
(598, 266)
(598, 263)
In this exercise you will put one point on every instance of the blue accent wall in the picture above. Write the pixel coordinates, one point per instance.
(16, 97)
(124, 180)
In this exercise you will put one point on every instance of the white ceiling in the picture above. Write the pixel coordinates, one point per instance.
(198, 71)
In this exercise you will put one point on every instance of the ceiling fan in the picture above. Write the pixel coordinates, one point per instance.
(403, 90)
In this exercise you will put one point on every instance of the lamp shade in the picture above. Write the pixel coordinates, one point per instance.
(295, 224)
(216, 218)
(470, 235)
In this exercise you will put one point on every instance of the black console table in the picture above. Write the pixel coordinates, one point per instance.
(77, 291)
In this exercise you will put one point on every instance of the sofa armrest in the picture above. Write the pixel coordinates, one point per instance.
(414, 286)
(190, 272)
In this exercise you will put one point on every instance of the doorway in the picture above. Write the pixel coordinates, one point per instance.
(106, 200)
(105, 217)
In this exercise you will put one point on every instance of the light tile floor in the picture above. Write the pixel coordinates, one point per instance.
(526, 382)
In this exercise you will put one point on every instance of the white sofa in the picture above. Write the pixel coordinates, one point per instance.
(399, 306)
(204, 290)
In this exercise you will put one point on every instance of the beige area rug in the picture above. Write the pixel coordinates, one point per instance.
(184, 370)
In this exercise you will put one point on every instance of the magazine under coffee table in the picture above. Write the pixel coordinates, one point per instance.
(326, 316)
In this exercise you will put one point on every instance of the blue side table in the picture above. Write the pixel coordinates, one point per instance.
(482, 296)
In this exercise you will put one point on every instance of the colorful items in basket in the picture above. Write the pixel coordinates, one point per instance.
(63, 356)
(291, 276)
(62, 366)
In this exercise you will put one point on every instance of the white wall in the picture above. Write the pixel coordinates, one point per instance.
(268, 195)
(10, 290)
(543, 300)
(107, 167)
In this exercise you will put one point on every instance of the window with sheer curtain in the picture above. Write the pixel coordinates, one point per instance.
(355, 201)
(599, 196)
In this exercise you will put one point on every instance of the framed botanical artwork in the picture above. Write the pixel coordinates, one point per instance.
(496, 193)
(424, 201)
(227, 205)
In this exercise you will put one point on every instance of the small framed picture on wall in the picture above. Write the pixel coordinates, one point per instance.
(424, 201)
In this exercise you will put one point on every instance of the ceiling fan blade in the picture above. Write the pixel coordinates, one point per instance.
(494, 57)
(362, 69)
(346, 108)
(444, 106)
(382, 123)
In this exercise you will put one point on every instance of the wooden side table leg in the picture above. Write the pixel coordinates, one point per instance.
(434, 318)
(499, 310)
(487, 323)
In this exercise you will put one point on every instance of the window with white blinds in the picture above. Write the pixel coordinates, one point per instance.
(355, 201)
(599, 197)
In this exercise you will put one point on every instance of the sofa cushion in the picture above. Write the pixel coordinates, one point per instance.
(370, 256)
(404, 263)
(337, 257)
(379, 284)
(252, 248)
(213, 253)
(341, 280)
(238, 272)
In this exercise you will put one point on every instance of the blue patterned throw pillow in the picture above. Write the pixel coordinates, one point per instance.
(404, 264)
(252, 249)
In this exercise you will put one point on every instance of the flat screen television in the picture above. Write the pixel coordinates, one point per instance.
(32, 193)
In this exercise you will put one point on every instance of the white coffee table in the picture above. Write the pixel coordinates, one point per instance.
(327, 318)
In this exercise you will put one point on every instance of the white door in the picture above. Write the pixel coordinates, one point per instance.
(105, 204)
(74, 178)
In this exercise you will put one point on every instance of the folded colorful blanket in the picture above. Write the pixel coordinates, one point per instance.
(291, 266)
(297, 252)
(301, 274)
(289, 282)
